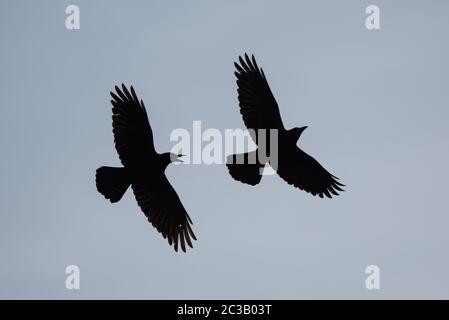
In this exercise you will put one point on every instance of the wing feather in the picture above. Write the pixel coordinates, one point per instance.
(305, 173)
(258, 106)
(133, 136)
(164, 210)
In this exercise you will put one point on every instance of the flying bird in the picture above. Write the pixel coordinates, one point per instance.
(260, 111)
(144, 170)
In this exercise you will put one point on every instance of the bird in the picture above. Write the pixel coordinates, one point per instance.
(144, 170)
(260, 111)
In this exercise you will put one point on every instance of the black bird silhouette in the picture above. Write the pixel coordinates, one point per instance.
(260, 110)
(144, 170)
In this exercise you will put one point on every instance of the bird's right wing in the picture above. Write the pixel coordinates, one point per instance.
(133, 136)
(305, 173)
(258, 106)
(164, 210)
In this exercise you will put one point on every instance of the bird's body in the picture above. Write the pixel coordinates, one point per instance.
(152, 172)
(144, 170)
(260, 111)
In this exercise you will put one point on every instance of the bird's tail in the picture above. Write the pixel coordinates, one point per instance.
(245, 167)
(112, 182)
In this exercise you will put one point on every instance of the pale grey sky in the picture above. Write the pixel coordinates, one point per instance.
(376, 103)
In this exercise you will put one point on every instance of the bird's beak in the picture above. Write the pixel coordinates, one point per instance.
(179, 156)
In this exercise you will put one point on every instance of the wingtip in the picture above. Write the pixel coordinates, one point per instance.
(124, 88)
(242, 62)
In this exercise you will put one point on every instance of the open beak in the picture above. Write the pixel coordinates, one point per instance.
(179, 156)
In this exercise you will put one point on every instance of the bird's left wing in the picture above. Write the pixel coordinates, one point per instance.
(164, 210)
(258, 106)
(133, 136)
(305, 173)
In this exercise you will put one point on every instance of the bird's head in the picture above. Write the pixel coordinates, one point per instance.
(296, 132)
(172, 157)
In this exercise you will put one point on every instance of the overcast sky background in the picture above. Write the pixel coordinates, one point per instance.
(376, 103)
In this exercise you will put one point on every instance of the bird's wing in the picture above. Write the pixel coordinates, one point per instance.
(164, 210)
(258, 106)
(305, 173)
(133, 136)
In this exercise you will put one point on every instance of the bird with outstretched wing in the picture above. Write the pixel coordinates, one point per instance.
(260, 111)
(144, 170)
